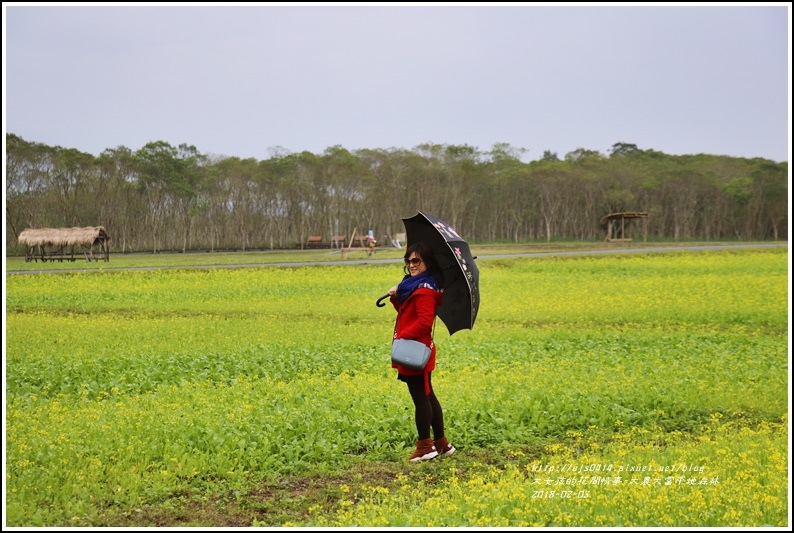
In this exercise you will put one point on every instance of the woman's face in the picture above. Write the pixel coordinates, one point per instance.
(415, 264)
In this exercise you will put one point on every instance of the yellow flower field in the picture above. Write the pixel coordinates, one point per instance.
(631, 390)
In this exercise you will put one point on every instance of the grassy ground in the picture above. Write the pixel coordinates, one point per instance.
(208, 259)
(260, 397)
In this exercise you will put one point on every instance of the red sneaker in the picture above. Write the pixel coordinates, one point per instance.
(443, 447)
(425, 450)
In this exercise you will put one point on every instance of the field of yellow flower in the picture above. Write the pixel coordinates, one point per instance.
(629, 390)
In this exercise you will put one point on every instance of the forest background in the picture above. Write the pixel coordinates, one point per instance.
(163, 197)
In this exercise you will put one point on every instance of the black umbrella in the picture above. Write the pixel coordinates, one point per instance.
(458, 309)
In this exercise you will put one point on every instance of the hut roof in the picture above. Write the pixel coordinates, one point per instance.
(63, 236)
(627, 214)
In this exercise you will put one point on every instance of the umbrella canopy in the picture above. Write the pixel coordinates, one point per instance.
(461, 301)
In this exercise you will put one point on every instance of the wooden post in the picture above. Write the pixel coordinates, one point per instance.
(349, 245)
(644, 230)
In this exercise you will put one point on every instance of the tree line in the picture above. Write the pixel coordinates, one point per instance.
(164, 197)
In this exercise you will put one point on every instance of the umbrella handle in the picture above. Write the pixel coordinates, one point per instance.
(378, 303)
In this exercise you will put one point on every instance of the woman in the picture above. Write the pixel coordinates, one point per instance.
(416, 299)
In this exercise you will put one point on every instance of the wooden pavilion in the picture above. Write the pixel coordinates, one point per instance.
(619, 231)
(49, 244)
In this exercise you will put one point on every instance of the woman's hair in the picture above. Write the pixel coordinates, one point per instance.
(427, 256)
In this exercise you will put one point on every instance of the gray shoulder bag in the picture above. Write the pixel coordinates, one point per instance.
(409, 353)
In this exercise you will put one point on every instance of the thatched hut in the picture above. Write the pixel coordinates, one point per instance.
(617, 227)
(52, 242)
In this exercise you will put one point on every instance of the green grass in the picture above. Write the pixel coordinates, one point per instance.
(262, 396)
(17, 263)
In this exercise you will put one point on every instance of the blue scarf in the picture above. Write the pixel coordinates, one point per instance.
(410, 283)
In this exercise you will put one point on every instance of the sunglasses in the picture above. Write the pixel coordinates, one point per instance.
(413, 262)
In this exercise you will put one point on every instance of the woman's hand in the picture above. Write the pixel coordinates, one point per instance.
(393, 291)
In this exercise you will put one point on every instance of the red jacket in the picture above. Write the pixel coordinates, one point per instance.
(415, 318)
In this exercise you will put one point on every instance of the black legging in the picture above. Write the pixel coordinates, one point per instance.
(428, 409)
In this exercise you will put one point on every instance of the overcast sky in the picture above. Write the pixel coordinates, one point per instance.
(248, 81)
